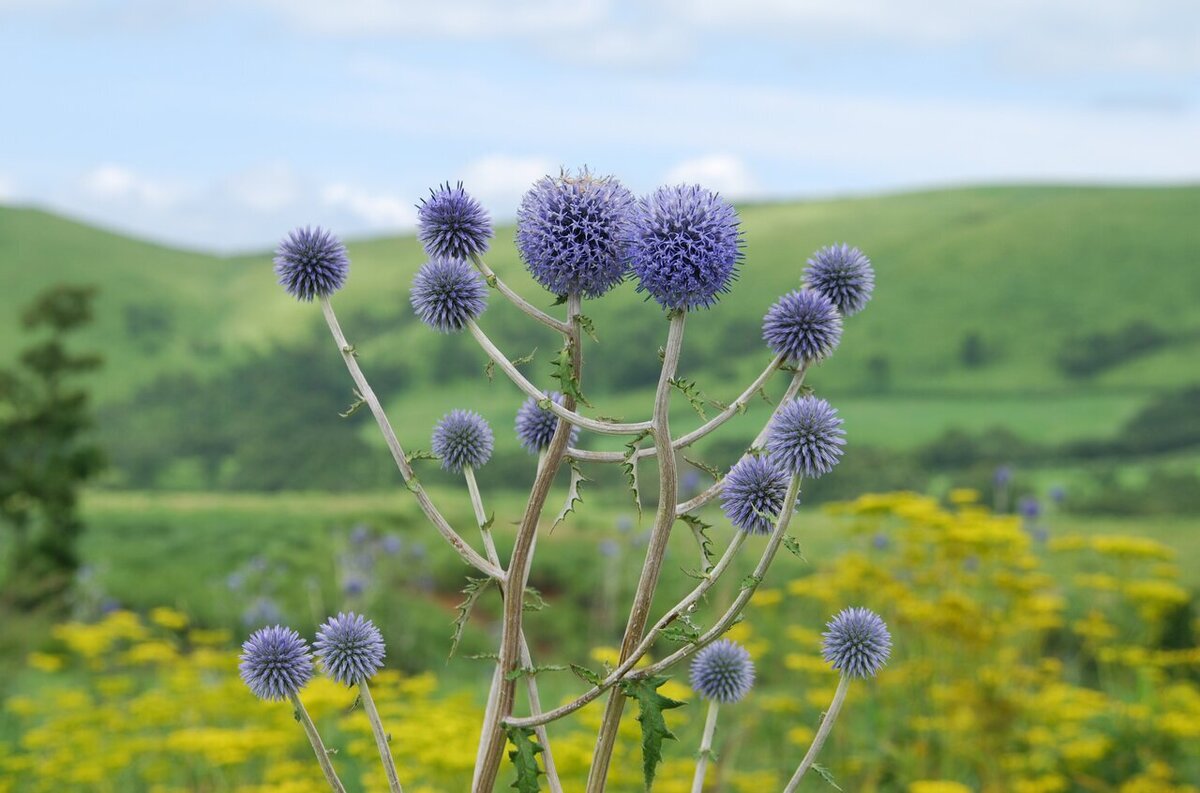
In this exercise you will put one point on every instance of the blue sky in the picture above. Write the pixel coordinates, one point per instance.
(219, 124)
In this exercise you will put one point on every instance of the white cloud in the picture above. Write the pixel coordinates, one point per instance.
(378, 210)
(116, 183)
(724, 173)
(8, 189)
(264, 188)
(499, 180)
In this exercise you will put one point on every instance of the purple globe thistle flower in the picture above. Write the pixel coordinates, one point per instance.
(354, 586)
(722, 672)
(262, 611)
(391, 544)
(535, 426)
(844, 275)
(806, 437)
(803, 325)
(753, 494)
(570, 232)
(684, 246)
(275, 663)
(1058, 494)
(462, 438)
(1030, 508)
(1003, 476)
(857, 642)
(350, 648)
(311, 262)
(451, 224)
(447, 293)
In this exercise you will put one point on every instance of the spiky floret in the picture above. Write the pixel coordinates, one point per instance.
(806, 437)
(569, 232)
(463, 438)
(857, 642)
(446, 293)
(451, 224)
(722, 672)
(350, 648)
(311, 262)
(805, 326)
(752, 494)
(844, 275)
(275, 663)
(684, 246)
(535, 426)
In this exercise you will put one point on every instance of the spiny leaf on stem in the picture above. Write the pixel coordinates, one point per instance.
(700, 532)
(750, 581)
(589, 327)
(587, 675)
(532, 671)
(533, 600)
(825, 774)
(573, 494)
(793, 545)
(630, 468)
(420, 454)
(711, 470)
(354, 406)
(524, 759)
(691, 392)
(651, 705)
(473, 590)
(564, 372)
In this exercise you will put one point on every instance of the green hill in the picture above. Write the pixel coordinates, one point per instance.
(1055, 311)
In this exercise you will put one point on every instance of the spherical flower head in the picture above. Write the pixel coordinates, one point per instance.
(752, 494)
(570, 232)
(844, 275)
(451, 224)
(857, 642)
(311, 262)
(722, 672)
(536, 426)
(350, 648)
(275, 663)
(684, 246)
(446, 293)
(806, 437)
(462, 438)
(804, 326)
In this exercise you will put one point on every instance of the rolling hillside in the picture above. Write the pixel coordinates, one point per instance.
(982, 294)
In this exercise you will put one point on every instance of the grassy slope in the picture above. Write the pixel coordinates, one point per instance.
(1023, 267)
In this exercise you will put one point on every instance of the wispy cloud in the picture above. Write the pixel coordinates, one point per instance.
(725, 173)
(109, 182)
(377, 210)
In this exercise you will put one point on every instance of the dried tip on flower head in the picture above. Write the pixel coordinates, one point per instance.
(844, 275)
(857, 642)
(451, 224)
(803, 326)
(536, 426)
(447, 293)
(350, 648)
(569, 232)
(752, 494)
(806, 437)
(462, 438)
(275, 663)
(311, 262)
(722, 672)
(684, 246)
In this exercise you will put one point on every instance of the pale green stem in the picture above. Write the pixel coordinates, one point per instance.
(710, 727)
(823, 731)
(314, 738)
(381, 737)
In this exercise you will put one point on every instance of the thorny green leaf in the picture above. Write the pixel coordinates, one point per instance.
(533, 600)
(573, 495)
(750, 581)
(487, 524)
(524, 759)
(524, 359)
(489, 369)
(561, 300)
(682, 632)
(354, 406)
(762, 392)
(793, 545)
(589, 327)
(420, 454)
(700, 532)
(630, 468)
(705, 467)
(691, 392)
(532, 671)
(473, 590)
(587, 675)
(651, 705)
(564, 373)
(825, 774)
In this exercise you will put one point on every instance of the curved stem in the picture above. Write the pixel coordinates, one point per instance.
(494, 737)
(715, 489)
(743, 597)
(710, 727)
(839, 697)
(535, 700)
(381, 738)
(493, 280)
(565, 413)
(314, 738)
(469, 554)
(683, 441)
(664, 519)
(682, 607)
